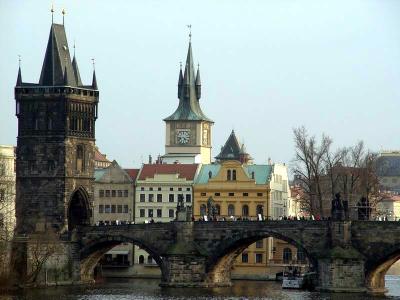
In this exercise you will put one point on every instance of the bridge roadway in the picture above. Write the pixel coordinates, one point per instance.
(349, 256)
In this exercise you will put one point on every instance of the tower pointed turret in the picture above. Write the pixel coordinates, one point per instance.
(198, 83)
(19, 77)
(66, 77)
(94, 81)
(180, 82)
(77, 75)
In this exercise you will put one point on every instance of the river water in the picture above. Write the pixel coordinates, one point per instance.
(148, 289)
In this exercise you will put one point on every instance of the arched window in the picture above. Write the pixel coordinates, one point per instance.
(80, 158)
(234, 175)
(203, 209)
(218, 209)
(149, 259)
(229, 175)
(231, 210)
(141, 260)
(252, 175)
(300, 255)
(287, 255)
(260, 210)
(209, 174)
(245, 210)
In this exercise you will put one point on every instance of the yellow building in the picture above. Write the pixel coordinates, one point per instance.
(239, 192)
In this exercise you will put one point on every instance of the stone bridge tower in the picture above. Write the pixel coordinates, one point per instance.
(55, 147)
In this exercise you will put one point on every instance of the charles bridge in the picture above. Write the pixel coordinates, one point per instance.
(348, 256)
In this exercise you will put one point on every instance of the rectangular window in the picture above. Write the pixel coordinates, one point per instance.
(142, 197)
(107, 209)
(159, 189)
(259, 258)
(245, 258)
(141, 213)
(159, 197)
(171, 198)
(203, 194)
(119, 209)
(245, 194)
(126, 193)
(151, 197)
(231, 194)
(171, 188)
(150, 213)
(142, 188)
(188, 198)
(259, 194)
(113, 193)
(126, 208)
(179, 189)
(113, 209)
(101, 193)
(171, 213)
(260, 244)
(188, 189)
(217, 194)
(159, 213)
(2, 195)
(107, 193)
(101, 208)
(150, 189)
(119, 193)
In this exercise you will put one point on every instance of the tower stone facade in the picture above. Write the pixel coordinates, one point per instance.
(188, 130)
(56, 140)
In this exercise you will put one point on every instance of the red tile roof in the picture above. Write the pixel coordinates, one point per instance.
(187, 171)
(98, 156)
(133, 173)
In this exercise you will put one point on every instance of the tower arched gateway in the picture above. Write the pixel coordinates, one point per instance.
(79, 211)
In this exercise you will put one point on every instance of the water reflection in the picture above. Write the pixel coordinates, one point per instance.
(148, 290)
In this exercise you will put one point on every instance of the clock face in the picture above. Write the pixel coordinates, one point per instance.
(183, 136)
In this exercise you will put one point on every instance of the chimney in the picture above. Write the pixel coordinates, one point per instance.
(269, 161)
(150, 160)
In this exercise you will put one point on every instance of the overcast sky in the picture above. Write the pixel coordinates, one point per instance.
(266, 67)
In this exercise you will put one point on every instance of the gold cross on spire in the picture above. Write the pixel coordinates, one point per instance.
(190, 32)
(19, 61)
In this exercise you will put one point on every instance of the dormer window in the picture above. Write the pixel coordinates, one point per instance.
(234, 175)
(80, 158)
(229, 175)
(209, 175)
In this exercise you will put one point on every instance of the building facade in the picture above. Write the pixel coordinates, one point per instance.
(100, 159)
(188, 130)
(388, 170)
(114, 204)
(7, 205)
(158, 189)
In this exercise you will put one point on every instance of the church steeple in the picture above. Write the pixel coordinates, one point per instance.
(189, 92)
(94, 81)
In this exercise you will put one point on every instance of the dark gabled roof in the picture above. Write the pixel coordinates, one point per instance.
(189, 107)
(57, 59)
(231, 150)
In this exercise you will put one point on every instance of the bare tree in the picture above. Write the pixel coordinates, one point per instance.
(309, 167)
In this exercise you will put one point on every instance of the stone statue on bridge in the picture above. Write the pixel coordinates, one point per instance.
(337, 210)
(211, 208)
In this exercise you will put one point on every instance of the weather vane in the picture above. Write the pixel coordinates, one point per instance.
(52, 13)
(93, 63)
(190, 32)
(63, 13)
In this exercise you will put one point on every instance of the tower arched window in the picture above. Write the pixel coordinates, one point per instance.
(209, 174)
(203, 209)
(234, 175)
(245, 210)
(287, 255)
(149, 260)
(252, 175)
(80, 158)
(231, 210)
(229, 175)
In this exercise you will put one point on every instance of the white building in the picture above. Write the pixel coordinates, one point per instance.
(280, 204)
(7, 204)
(158, 188)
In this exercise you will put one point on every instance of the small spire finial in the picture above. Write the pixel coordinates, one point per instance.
(74, 47)
(180, 64)
(190, 32)
(52, 13)
(19, 61)
(93, 64)
(63, 13)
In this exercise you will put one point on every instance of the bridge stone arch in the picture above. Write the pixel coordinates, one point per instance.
(78, 208)
(237, 236)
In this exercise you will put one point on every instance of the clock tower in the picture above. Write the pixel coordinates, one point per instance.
(188, 130)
